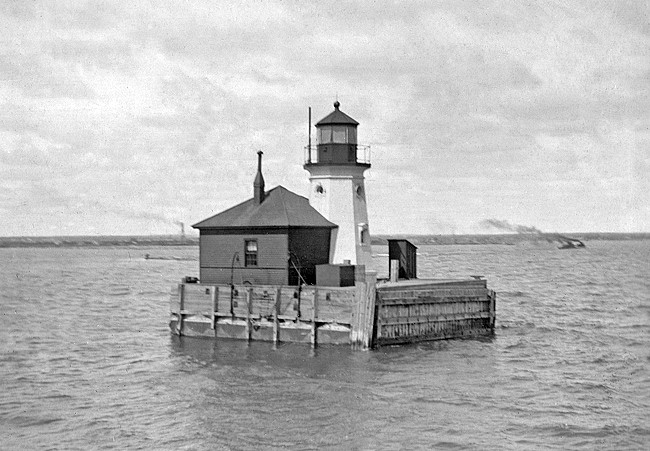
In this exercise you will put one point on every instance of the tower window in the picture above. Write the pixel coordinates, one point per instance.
(364, 234)
(250, 253)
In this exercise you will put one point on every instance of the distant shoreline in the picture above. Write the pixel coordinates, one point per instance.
(175, 240)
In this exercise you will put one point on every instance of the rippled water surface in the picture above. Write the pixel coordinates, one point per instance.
(87, 361)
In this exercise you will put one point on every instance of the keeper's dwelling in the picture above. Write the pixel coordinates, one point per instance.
(272, 239)
(279, 237)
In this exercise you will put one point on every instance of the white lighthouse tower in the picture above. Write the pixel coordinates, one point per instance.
(336, 166)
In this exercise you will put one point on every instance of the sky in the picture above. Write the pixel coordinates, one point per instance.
(129, 117)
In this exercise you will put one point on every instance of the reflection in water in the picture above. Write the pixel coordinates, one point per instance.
(351, 396)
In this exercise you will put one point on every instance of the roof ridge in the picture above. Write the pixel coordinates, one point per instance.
(337, 117)
(280, 208)
(292, 193)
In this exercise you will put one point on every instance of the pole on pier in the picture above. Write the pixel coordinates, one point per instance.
(314, 324)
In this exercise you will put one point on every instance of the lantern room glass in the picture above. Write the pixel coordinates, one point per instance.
(325, 135)
(352, 135)
(339, 134)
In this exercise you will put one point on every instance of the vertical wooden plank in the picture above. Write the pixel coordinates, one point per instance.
(493, 309)
(215, 302)
(314, 324)
(378, 317)
(173, 299)
(249, 309)
(181, 293)
(355, 332)
(276, 321)
(363, 321)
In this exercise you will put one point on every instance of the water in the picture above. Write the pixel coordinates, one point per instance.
(87, 361)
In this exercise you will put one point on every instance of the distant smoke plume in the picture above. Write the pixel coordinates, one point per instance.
(505, 225)
(530, 230)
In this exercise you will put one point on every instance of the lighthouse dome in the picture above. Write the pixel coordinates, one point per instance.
(337, 117)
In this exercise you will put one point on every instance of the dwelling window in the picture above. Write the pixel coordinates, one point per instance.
(250, 253)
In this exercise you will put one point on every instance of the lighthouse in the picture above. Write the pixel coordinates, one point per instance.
(336, 168)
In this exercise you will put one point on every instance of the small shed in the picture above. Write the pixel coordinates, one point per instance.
(404, 254)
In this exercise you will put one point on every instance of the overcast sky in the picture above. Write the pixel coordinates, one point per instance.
(129, 117)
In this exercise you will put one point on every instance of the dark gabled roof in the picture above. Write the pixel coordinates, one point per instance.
(280, 208)
(337, 117)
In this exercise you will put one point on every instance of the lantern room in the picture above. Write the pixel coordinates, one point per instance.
(337, 141)
(337, 128)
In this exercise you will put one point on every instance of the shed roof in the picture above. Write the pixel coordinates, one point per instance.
(337, 117)
(280, 208)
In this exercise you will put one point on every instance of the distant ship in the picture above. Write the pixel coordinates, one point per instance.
(571, 243)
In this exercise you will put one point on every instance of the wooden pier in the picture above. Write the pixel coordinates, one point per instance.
(433, 310)
(365, 315)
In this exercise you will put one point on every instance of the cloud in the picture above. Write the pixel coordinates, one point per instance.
(473, 110)
(17, 119)
(42, 76)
